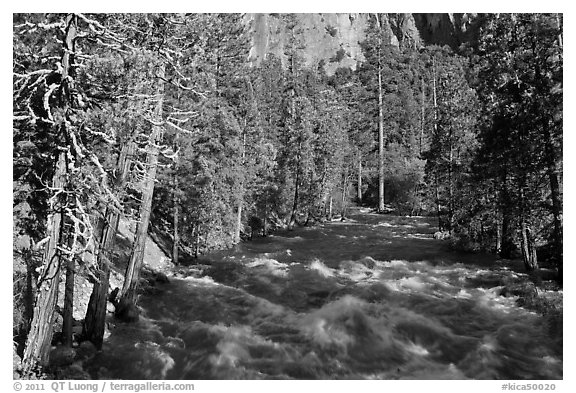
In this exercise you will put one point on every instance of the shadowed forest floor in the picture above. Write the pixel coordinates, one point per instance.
(372, 297)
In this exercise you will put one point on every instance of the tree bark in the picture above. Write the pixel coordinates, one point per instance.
(344, 194)
(380, 122)
(507, 245)
(360, 179)
(41, 329)
(30, 289)
(241, 192)
(294, 211)
(176, 219)
(498, 231)
(130, 287)
(380, 141)
(437, 197)
(422, 119)
(95, 320)
(450, 184)
(528, 248)
(555, 194)
(434, 95)
(68, 314)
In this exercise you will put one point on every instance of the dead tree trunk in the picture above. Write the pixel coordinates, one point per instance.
(176, 219)
(176, 212)
(95, 320)
(127, 300)
(68, 315)
(41, 329)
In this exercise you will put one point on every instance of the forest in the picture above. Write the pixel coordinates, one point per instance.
(163, 124)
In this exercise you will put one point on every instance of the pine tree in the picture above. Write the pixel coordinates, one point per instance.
(522, 96)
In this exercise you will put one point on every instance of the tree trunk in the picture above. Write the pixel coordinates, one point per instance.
(422, 119)
(30, 289)
(41, 329)
(450, 184)
(292, 221)
(197, 242)
(132, 276)
(68, 315)
(434, 95)
(330, 207)
(264, 221)
(344, 194)
(528, 247)
(437, 197)
(241, 192)
(559, 26)
(555, 194)
(498, 232)
(380, 142)
(360, 179)
(176, 203)
(296, 190)
(380, 123)
(95, 320)
(176, 219)
(507, 246)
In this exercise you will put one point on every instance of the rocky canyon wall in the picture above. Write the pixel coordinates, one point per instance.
(335, 38)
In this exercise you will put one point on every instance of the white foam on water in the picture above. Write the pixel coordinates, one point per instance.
(322, 269)
(417, 349)
(205, 280)
(271, 265)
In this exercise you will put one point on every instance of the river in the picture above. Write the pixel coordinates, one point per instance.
(374, 297)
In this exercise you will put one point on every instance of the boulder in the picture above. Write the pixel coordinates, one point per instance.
(127, 311)
(85, 350)
(442, 235)
(73, 372)
(62, 356)
(161, 278)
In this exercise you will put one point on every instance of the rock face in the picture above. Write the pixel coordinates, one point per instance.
(323, 36)
(447, 29)
(335, 38)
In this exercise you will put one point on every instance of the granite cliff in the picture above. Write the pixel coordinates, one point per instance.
(335, 38)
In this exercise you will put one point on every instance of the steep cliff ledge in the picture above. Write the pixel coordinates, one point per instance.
(335, 38)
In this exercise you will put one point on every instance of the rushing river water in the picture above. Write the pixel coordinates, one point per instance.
(372, 297)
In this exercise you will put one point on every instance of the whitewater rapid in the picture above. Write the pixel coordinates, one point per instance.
(373, 297)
